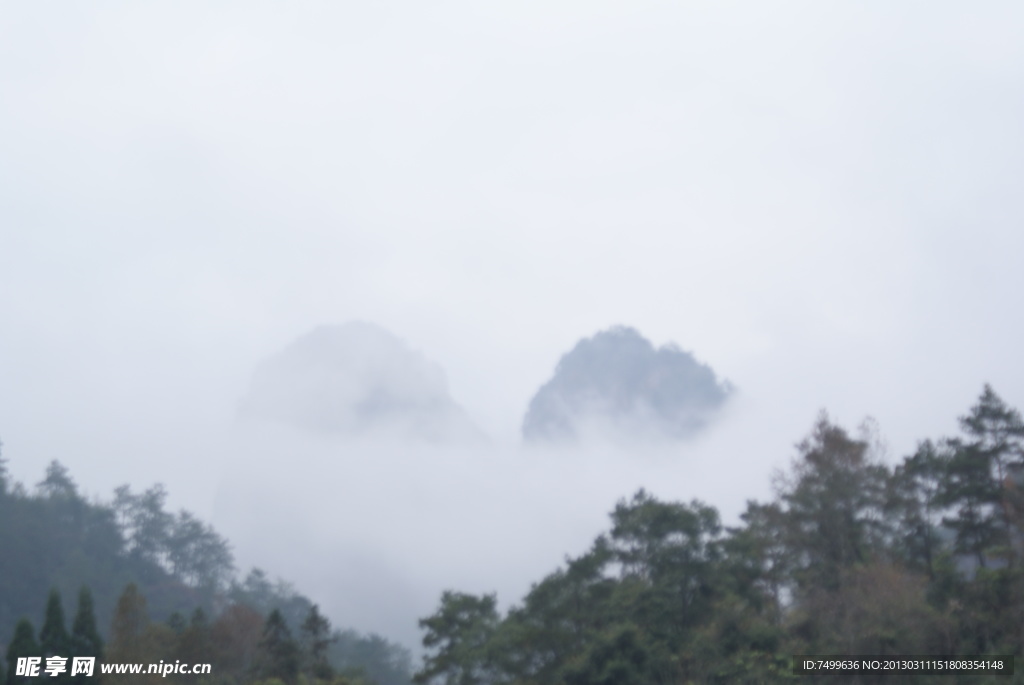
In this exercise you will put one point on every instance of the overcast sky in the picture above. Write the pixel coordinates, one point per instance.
(822, 202)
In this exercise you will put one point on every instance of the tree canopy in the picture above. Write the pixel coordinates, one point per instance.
(852, 556)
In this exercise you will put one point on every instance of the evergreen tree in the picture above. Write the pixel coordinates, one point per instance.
(23, 644)
(316, 638)
(459, 634)
(968, 488)
(58, 482)
(834, 506)
(4, 475)
(382, 662)
(913, 502)
(668, 552)
(996, 434)
(757, 563)
(85, 638)
(621, 658)
(53, 638)
(279, 650)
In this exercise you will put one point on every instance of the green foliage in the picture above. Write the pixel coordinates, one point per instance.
(279, 651)
(672, 553)
(23, 644)
(380, 661)
(194, 640)
(4, 474)
(834, 502)
(315, 633)
(53, 638)
(85, 636)
(458, 635)
(55, 538)
(914, 505)
(259, 592)
(852, 557)
(620, 657)
(983, 481)
(175, 566)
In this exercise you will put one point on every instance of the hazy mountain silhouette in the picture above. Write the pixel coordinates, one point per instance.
(618, 382)
(356, 379)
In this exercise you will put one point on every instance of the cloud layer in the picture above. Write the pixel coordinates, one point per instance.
(356, 379)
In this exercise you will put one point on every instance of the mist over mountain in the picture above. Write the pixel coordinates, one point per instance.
(617, 382)
(357, 379)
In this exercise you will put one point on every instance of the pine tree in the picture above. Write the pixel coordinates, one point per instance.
(834, 500)
(913, 505)
(4, 474)
(458, 635)
(280, 651)
(996, 437)
(23, 644)
(85, 638)
(53, 638)
(316, 638)
(969, 489)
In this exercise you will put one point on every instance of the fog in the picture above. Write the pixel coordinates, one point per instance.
(823, 204)
(357, 379)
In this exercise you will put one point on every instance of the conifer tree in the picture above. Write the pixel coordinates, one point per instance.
(996, 437)
(53, 638)
(834, 500)
(914, 506)
(4, 475)
(968, 488)
(23, 644)
(85, 638)
(280, 651)
(316, 638)
(458, 636)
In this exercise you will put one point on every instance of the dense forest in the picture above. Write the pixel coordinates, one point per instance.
(154, 585)
(853, 556)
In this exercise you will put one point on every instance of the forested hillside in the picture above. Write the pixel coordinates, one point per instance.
(55, 543)
(853, 556)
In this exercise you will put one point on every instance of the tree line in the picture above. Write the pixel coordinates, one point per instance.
(54, 541)
(241, 645)
(852, 556)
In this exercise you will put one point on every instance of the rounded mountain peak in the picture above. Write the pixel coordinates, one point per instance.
(617, 381)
